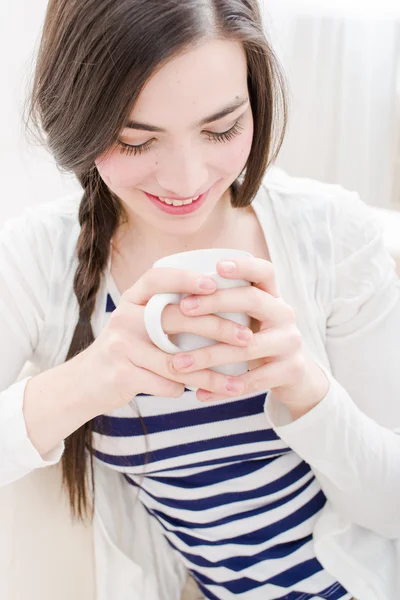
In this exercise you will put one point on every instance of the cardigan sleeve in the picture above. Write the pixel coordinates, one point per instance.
(351, 438)
(25, 270)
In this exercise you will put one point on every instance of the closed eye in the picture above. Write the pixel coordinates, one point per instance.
(224, 136)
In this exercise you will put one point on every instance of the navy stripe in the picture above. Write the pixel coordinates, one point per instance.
(226, 441)
(211, 476)
(330, 593)
(131, 426)
(110, 306)
(231, 517)
(291, 596)
(260, 536)
(217, 461)
(229, 498)
(285, 579)
(239, 563)
(297, 573)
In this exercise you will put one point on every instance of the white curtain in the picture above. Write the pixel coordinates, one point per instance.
(343, 67)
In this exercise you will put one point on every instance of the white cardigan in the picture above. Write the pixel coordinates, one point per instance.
(332, 267)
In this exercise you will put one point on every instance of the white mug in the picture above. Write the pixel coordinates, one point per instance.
(204, 262)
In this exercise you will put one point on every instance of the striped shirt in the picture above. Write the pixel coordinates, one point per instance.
(230, 497)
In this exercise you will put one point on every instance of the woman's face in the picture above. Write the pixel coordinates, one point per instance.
(190, 135)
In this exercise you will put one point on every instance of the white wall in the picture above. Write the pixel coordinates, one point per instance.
(28, 175)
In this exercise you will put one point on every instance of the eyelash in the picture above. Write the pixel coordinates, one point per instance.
(225, 136)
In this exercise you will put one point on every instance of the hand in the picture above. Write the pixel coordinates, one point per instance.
(123, 362)
(279, 361)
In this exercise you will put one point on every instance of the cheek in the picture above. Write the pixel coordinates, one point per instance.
(232, 157)
(119, 170)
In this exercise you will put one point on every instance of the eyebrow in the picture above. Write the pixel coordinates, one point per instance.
(215, 117)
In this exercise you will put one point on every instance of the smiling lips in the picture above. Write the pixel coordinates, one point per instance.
(173, 206)
(172, 202)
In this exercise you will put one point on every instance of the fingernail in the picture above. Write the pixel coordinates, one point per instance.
(228, 266)
(244, 335)
(205, 396)
(234, 386)
(206, 284)
(191, 302)
(182, 362)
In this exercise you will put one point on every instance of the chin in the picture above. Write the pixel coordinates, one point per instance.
(183, 228)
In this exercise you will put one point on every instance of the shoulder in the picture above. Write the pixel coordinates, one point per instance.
(45, 228)
(333, 218)
(339, 243)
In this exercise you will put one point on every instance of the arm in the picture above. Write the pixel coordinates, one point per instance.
(32, 424)
(350, 438)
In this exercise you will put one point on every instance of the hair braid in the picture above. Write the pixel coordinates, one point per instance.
(99, 214)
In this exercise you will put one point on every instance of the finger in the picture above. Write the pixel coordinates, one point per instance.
(250, 300)
(166, 280)
(204, 396)
(151, 383)
(258, 271)
(209, 326)
(266, 344)
(261, 379)
(149, 357)
(278, 373)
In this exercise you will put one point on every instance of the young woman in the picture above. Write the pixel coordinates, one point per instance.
(283, 483)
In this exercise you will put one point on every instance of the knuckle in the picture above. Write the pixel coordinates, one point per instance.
(250, 293)
(287, 311)
(255, 297)
(213, 381)
(297, 368)
(125, 297)
(270, 273)
(148, 280)
(189, 281)
(225, 330)
(116, 346)
(253, 384)
(256, 341)
(269, 269)
(117, 319)
(290, 313)
(119, 375)
(255, 347)
(174, 390)
(169, 368)
(294, 338)
(207, 356)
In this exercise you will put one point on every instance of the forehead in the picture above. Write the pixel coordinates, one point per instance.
(193, 85)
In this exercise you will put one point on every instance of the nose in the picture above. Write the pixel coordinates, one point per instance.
(182, 173)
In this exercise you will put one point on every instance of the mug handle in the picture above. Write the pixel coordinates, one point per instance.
(152, 321)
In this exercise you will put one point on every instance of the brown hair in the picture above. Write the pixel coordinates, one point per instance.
(94, 58)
